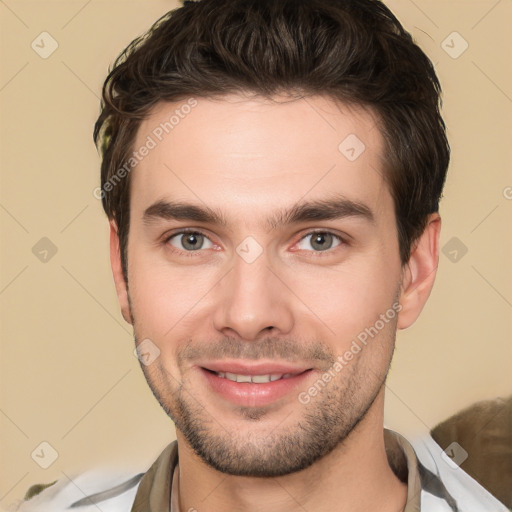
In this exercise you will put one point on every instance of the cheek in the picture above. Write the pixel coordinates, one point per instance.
(166, 299)
(346, 299)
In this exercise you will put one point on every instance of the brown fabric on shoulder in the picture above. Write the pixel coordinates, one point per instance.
(484, 430)
(154, 492)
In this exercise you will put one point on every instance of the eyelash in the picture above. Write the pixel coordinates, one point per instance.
(327, 252)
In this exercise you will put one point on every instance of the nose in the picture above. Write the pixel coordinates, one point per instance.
(252, 301)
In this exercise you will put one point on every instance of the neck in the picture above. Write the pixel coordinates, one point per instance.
(355, 477)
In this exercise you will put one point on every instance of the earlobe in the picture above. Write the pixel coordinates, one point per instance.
(117, 272)
(419, 273)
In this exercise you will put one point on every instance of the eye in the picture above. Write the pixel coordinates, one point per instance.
(319, 241)
(189, 241)
(192, 241)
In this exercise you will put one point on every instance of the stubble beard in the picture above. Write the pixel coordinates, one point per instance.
(324, 423)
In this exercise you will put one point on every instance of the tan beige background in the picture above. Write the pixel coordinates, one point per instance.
(68, 373)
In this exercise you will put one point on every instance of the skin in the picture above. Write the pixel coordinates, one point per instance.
(247, 157)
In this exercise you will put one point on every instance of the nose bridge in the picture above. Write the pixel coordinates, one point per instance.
(250, 280)
(252, 298)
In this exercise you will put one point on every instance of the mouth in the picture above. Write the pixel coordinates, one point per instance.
(254, 385)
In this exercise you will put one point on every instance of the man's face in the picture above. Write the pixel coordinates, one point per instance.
(265, 293)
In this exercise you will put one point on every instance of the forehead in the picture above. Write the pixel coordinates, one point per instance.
(244, 154)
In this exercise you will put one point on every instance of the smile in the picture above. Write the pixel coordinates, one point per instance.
(254, 387)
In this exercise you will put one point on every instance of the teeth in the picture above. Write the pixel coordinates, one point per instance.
(256, 379)
(261, 379)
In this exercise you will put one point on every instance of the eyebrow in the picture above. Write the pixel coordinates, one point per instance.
(325, 209)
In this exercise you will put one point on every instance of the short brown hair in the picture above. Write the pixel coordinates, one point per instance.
(355, 51)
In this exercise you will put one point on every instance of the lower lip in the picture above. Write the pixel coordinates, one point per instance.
(254, 395)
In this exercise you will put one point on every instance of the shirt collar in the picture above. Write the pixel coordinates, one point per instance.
(158, 489)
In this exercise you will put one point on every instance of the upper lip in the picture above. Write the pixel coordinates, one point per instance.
(251, 368)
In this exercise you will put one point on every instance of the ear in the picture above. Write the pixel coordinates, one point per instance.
(117, 271)
(419, 273)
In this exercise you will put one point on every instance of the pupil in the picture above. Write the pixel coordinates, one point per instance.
(321, 240)
(192, 241)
